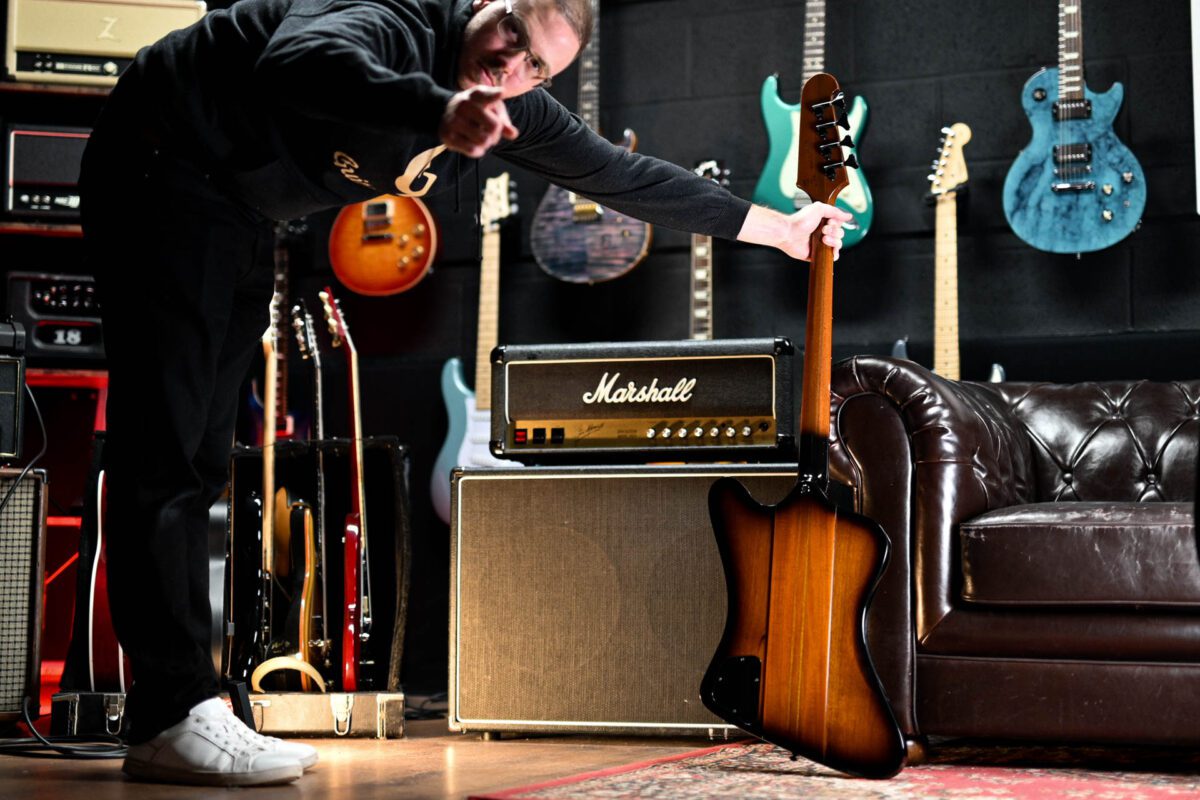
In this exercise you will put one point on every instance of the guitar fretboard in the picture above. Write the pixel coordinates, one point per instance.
(700, 318)
(814, 38)
(489, 314)
(945, 288)
(1070, 50)
(589, 77)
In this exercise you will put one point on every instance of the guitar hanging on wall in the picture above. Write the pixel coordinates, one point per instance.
(1075, 187)
(700, 301)
(383, 246)
(792, 666)
(575, 239)
(470, 413)
(776, 186)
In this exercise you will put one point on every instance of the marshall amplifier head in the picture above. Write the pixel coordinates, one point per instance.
(87, 41)
(61, 316)
(42, 171)
(725, 399)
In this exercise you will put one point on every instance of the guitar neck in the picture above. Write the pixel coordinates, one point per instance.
(945, 291)
(1070, 50)
(700, 324)
(358, 504)
(589, 75)
(489, 315)
(818, 357)
(814, 38)
(268, 452)
(279, 322)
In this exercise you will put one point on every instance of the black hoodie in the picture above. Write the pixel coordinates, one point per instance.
(300, 105)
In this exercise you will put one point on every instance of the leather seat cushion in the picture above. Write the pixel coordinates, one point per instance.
(1082, 554)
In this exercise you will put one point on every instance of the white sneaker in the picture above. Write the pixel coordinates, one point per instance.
(207, 748)
(305, 754)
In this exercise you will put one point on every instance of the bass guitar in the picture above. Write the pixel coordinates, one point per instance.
(356, 573)
(470, 413)
(383, 246)
(700, 301)
(575, 239)
(792, 666)
(1075, 187)
(776, 186)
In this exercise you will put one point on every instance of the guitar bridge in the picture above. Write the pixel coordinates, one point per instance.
(1073, 186)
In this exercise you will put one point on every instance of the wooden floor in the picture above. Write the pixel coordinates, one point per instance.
(429, 762)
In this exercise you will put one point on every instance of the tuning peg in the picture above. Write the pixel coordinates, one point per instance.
(948, 130)
(851, 161)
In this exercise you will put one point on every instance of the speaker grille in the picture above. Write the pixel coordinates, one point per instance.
(22, 520)
(588, 599)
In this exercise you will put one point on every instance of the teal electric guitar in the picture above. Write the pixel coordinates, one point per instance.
(777, 184)
(1075, 187)
(470, 413)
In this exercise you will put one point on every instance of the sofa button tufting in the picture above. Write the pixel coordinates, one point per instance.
(1067, 477)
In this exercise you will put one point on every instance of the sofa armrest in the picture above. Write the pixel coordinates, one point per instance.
(923, 454)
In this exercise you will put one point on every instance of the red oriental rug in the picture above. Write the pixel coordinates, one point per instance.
(957, 770)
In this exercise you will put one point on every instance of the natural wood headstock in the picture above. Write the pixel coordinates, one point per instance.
(950, 168)
(821, 164)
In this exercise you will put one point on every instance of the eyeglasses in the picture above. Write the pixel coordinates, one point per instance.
(514, 30)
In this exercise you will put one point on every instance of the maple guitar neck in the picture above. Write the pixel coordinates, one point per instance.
(945, 292)
(489, 316)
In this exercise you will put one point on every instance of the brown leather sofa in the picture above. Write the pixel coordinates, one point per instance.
(1043, 581)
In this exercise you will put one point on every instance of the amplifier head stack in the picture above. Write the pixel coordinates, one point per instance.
(725, 399)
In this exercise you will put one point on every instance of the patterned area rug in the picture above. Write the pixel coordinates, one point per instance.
(963, 771)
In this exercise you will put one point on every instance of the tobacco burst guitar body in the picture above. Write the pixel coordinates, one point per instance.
(576, 239)
(792, 666)
(383, 246)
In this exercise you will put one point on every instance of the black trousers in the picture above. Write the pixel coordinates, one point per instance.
(184, 276)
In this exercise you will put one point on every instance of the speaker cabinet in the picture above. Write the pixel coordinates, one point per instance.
(588, 599)
(22, 558)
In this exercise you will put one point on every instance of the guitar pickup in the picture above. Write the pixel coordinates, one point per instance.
(588, 212)
(1072, 153)
(1073, 186)
(1072, 109)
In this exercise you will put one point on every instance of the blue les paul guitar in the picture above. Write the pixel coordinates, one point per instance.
(469, 413)
(777, 184)
(1075, 187)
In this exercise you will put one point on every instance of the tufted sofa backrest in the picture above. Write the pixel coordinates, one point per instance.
(1114, 441)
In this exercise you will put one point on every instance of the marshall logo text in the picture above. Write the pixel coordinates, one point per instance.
(681, 392)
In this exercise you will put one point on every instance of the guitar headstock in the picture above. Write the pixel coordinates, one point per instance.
(334, 320)
(950, 168)
(499, 201)
(714, 170)
(306, 336)
(821, 163)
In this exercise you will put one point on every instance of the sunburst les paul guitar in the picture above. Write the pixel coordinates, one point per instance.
(776, 186)
(470, 412)
(576, 239)
(383, 246)
(792, 666)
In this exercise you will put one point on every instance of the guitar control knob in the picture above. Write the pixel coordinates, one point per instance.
(1127, 177)
(1107, 188)
(404, 261)
(420, 229)
(418, 251)
(404, 238)
(1107, 214)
